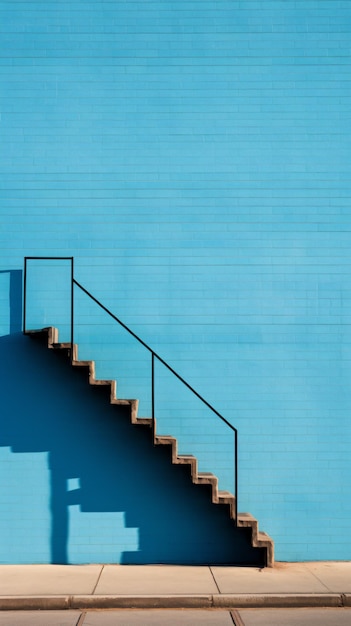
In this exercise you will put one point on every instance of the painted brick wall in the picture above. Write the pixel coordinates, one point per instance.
(193, 156)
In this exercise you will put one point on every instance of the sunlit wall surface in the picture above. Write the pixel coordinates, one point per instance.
(194, 158)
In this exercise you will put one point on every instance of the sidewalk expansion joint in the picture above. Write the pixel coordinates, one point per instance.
(98, 580)
(81, 619)
(236, 618)
(214, 580)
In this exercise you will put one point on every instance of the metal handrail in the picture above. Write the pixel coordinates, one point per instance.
(154, 356)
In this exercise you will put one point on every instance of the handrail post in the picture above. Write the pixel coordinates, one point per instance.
(236, 475)
(72, 308)
(24, 294)
(153, 396)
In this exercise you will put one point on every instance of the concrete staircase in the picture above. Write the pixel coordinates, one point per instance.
(259, 539)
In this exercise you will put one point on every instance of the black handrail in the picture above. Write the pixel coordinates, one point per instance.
(154, 356)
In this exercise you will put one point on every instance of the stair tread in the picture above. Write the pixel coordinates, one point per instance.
(82, 362)
(206, 475)
(186, 460)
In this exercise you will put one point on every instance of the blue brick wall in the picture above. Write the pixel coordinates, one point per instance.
(194, 158)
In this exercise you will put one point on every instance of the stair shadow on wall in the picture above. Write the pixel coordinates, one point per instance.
(49, 406)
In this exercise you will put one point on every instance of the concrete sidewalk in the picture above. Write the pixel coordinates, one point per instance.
(322, 584)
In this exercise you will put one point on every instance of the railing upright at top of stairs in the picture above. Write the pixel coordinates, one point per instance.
(154, 355)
